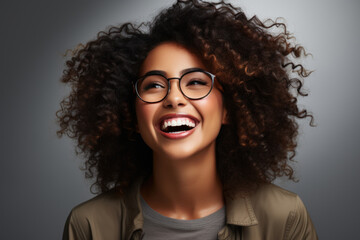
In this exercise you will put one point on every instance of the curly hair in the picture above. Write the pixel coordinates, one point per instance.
(255, 67)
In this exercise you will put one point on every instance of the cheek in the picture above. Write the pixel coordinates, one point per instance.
(212, 110)
(213, 105)
(145, 115)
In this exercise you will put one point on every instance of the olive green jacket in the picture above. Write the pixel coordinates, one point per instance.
(270, 213)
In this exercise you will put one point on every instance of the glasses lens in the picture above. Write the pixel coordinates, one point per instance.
(196, 85)
(152, 88)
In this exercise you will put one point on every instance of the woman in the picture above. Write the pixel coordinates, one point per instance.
(184, 124)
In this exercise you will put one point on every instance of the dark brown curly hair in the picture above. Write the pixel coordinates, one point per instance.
(255, 67)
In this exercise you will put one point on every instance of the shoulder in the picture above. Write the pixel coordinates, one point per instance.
(93, 216)
(277, 208)
(272, 199)
(103, 204)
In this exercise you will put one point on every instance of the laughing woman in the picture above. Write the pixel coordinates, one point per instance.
(184, 125)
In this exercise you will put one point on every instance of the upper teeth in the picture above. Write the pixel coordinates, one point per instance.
(178, 122)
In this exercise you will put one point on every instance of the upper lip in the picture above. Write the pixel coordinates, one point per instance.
(177, 115)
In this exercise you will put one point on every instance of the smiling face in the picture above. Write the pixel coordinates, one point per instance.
(178, 127)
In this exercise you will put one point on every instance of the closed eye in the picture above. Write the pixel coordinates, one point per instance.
(153, 85)
(196, 82)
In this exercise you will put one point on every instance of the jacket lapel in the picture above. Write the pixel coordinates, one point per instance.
(132, 212)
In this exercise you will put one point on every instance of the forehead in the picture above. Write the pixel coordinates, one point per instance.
(171, 58)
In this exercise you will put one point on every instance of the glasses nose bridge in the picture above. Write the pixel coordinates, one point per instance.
(168, 79)
(178, 83)
(172, 78)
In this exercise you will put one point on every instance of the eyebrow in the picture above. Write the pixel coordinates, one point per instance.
(182, 72)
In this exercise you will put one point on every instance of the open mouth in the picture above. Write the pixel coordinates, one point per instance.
(177, 125)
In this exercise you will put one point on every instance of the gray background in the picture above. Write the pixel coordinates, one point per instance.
(40, 177)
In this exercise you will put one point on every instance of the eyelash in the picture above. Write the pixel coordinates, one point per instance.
(198, 81)
(152, 86)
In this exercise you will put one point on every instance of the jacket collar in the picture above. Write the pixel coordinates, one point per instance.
(239, 210)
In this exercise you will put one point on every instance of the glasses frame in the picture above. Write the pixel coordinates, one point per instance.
(212, 76)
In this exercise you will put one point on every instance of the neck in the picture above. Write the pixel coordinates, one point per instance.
(184, 188)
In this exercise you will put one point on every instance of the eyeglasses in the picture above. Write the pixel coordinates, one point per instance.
(154, 87)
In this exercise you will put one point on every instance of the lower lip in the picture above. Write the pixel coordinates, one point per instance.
(177, 135)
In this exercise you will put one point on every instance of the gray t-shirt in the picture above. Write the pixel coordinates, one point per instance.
(157, 226)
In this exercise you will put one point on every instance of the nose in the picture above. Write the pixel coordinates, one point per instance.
(175, 98)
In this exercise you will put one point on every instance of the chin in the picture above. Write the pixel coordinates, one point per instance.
(185, 151)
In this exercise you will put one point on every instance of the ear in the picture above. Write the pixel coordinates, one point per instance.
(224, 117)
